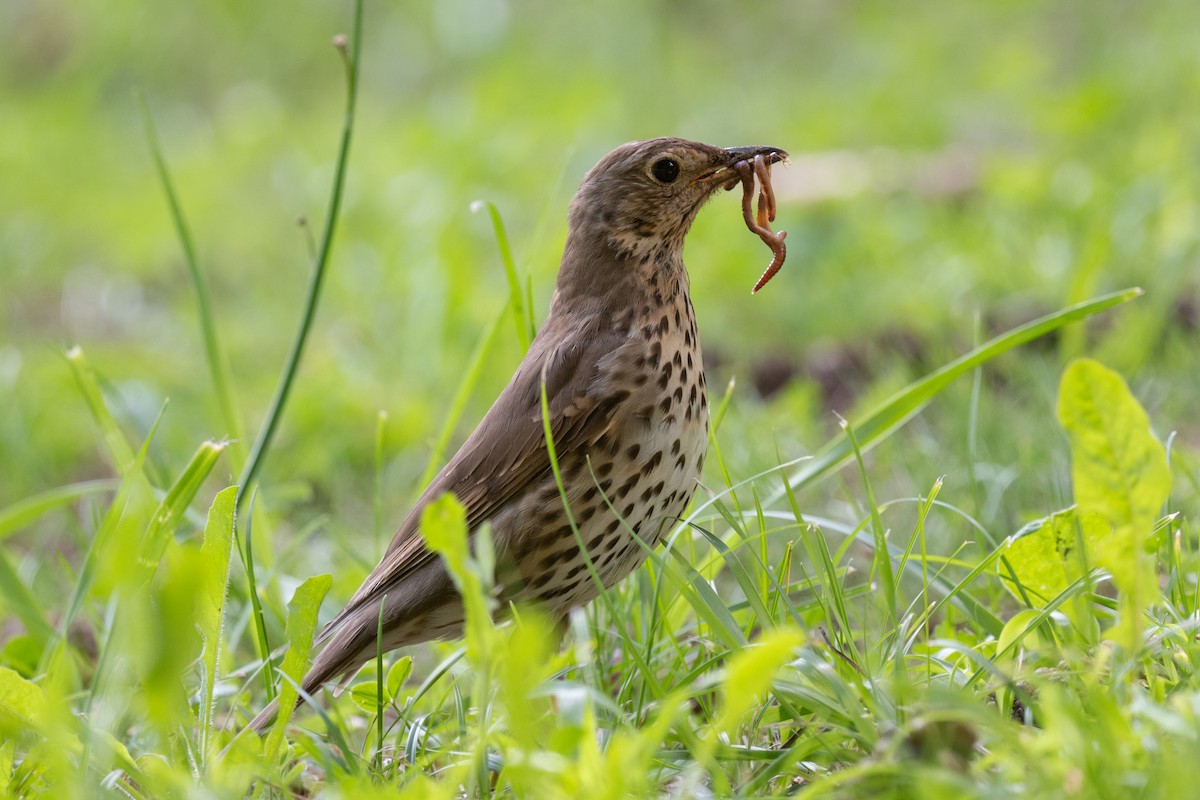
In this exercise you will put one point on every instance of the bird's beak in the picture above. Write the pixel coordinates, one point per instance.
(726, 175)
(773, 155)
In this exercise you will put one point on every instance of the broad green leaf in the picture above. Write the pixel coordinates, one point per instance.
(301, 625)
(444, 526)
(22, 653)
(751, 671)
(22, 703)
(210, 600)
(164, 614)
(1118, 469)
(624, 766)
(7, 751)
(365, 695)
(398, 675)
(1119, 472)
(1018, 627)
(29, 712)
(1045, 555)
(25, 708)
(528, 652)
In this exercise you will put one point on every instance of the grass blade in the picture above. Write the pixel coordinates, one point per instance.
(24, 512)
(218, 366)
(22, 604)
(521, 315)
(292, 365)
(906, 403)
(883, 562)
(179, 497)
(260, 623)
(118, 446)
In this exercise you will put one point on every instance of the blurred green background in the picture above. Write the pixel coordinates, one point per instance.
(958, 168)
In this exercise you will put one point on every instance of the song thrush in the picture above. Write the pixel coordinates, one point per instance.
(620, 359)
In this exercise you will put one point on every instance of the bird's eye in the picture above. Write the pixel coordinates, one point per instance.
(665, 170)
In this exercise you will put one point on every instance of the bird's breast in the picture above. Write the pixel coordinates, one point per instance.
(665, 417)
(629, 485)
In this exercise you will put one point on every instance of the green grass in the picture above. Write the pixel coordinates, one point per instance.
(843, 613)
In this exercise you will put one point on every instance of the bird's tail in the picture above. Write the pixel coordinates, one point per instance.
(265, 717)
(347, 650)
(351, 635)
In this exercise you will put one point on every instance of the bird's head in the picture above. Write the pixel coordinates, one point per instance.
(641, 198)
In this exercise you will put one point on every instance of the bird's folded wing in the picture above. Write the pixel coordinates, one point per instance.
(507, 452)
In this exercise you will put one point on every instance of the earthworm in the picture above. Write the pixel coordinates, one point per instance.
(759, 221)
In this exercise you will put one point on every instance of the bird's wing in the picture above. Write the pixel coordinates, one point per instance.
(507, 451)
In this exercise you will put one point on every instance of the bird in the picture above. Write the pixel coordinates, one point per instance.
(620, 362)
